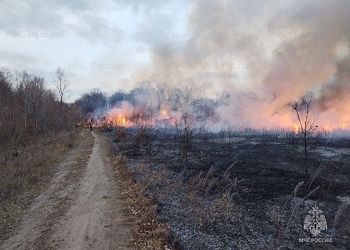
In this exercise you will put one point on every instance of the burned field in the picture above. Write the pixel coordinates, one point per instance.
(240, 190)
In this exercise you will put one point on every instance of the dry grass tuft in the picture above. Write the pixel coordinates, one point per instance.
(147, 231)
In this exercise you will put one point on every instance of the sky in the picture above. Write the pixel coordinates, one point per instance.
(98, 43)
(264, 54)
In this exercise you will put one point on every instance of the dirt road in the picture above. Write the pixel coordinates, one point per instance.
(80, 209)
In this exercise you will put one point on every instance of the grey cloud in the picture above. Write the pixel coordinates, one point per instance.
(17, 61)
(52, 17)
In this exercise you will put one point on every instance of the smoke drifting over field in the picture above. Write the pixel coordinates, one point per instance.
(266, 54)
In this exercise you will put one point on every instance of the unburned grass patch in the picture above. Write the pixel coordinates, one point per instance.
(25, 172)
(147, 231)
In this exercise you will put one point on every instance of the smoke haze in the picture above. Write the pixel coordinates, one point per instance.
(265, 54)
(262, 54)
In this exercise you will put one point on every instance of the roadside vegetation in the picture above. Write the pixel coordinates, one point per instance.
(147, 230)
(36, 128)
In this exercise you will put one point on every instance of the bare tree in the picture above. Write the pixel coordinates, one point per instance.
(27, 108)
(307, 123)
(187, 122)
(61, 84)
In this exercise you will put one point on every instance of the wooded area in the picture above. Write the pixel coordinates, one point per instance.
(28, 108)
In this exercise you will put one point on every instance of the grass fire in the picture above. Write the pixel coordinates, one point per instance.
(175, 124)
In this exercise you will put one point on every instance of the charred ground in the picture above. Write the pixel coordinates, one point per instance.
(240, 189)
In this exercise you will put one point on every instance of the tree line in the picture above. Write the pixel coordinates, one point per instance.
(29, 108)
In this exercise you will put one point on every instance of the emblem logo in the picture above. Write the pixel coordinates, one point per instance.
(315, 221)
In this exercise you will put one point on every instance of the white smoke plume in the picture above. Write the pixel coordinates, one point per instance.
(265, 54)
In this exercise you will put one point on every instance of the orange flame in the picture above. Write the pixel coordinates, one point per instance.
(296, 128)
(164, 112)
(125, 117)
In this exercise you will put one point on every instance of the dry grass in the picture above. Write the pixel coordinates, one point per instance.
(24, 172)
(147, 231)
(26, 166)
